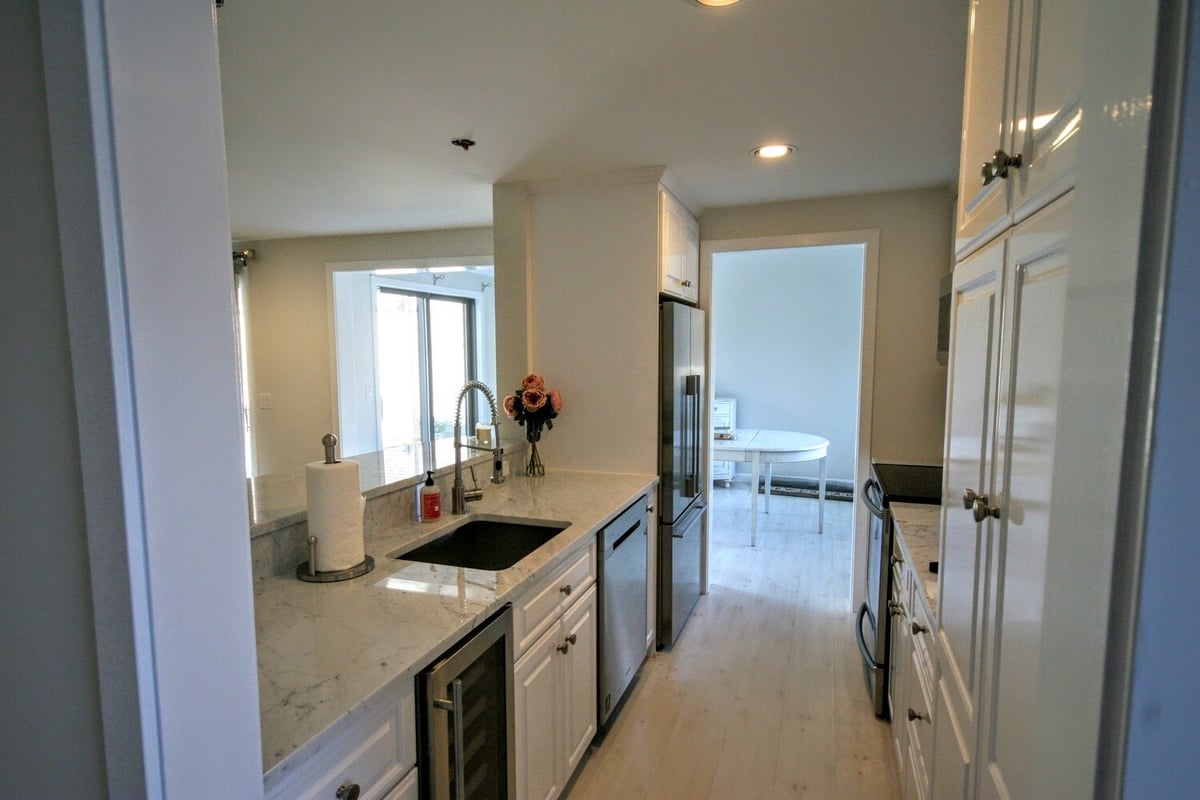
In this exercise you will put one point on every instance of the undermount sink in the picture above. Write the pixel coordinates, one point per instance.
(491, 543)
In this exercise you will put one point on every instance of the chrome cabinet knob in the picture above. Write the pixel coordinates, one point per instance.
(572, 639)
(897, 609)
(969, 498)
(562, 648)
(565, 589)
(999, 166)
(919, 628)
(348, 791)
(914, 715)
(981, 510)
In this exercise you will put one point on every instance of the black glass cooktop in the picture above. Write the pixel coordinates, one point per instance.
(909, 483)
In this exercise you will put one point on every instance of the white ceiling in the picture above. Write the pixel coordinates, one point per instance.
(339, 115)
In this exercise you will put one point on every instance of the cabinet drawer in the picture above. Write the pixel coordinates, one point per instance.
(373, 754)
(920, 731)
(536, 609)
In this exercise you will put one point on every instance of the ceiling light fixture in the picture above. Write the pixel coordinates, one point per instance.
(717, 3)
(770, 151)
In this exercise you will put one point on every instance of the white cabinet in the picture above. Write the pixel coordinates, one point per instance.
(1005, 370)
(912, 676)
(679, 250)
(378, 754)
(1021, 113)
(724, 419)
(554, 678)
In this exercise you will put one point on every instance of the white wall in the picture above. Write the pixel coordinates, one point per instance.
(914, 253)
(51, 705)
(290, 331)
(593, 323)
(786, 326)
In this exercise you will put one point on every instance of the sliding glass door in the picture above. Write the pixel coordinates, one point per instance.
(425, 350)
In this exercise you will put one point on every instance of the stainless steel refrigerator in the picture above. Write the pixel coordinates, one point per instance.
(682, 441)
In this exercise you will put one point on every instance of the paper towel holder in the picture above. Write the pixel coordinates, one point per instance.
(305, 571)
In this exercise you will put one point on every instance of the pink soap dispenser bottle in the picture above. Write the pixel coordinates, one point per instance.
(431, 499)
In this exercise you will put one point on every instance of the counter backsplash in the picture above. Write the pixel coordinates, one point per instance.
(279, 550)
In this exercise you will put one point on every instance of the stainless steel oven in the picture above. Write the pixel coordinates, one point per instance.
(889, 483)
(466, 726)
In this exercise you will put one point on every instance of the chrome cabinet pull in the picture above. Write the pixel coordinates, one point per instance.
(572, 639)
(455, 706)
(565, 589)
(919, 628)
(999, 165)
(982, 510)
(969, 498)
(897, 609)
(563, 648)
(914, 715)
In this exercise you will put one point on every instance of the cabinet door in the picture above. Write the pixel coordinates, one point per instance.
(536, 679)
(1048, 103)
(899, 653)
(579, 680)
(974, 349)
(679, 238)
(987, 121)
(1030, 370)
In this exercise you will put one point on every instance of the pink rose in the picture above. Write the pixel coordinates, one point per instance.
(533, 400)
(555, 401)
(510, 406)
(533, 381)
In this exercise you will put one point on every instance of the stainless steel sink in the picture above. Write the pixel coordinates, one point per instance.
(486, 542)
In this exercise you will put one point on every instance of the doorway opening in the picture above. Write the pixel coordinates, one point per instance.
(792, 349)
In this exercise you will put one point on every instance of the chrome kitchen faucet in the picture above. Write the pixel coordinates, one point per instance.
(459, 494)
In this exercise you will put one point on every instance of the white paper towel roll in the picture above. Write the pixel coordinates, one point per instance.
(335, 514)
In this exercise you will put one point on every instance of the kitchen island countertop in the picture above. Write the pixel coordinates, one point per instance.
(326, 650)
(919, 526)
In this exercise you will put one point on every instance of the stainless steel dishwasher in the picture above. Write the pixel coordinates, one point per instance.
(622, 548)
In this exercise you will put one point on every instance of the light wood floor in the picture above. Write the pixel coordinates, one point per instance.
(763, 695)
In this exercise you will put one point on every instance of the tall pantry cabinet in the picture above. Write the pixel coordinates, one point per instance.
(1021, 125)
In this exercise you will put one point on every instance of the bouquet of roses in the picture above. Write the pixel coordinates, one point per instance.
(534, 407)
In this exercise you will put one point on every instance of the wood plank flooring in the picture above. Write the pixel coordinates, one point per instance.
(763, 695)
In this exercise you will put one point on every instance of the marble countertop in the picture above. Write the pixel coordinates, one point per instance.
(326, 650)
(919, 527)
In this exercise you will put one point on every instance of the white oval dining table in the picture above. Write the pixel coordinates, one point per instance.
(769, 447)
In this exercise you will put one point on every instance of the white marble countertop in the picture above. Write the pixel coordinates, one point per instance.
(325, 650)
(919, 527)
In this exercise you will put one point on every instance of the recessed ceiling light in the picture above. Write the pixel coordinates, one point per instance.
(773, 150)
(716, 3)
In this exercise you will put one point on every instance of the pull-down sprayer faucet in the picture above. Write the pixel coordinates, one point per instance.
(459, 494)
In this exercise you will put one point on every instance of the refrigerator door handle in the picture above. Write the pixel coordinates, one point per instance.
(691, 435)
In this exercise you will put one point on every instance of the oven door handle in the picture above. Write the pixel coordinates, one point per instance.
(872, 499)
(862, 644)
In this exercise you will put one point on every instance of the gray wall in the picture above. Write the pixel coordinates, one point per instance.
(786, 326)
(914, 253)
(51, 741)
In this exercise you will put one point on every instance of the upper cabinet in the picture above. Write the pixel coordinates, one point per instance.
(1021, 113)
(679, 250)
